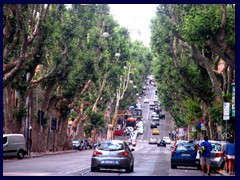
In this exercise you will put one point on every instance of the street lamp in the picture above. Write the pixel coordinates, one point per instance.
(105, 35)
(117, 54)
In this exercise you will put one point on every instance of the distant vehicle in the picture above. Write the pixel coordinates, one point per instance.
(153, 140)
(131, 122)
(153, 114)
(185, 154)
(155, 131)
(140, 130)
(167, 139)
(118, 132)
(114, 154)
(89, 143)
(137, 113)
(144, 88)
(79, 144)
(156, 120)
(138, 106)
(146, 100)
(162, 116)
(151, 106)
(161, 142)
(153, 125)
(14, 145)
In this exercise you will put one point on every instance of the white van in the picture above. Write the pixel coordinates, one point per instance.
(14, 145)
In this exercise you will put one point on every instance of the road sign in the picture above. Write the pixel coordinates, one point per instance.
(226, 111)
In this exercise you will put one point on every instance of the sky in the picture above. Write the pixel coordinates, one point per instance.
(136, 17)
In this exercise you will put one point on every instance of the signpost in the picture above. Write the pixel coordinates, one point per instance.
(226, 114)
(233, 99)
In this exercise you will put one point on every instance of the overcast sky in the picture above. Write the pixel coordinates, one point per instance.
(135, 16)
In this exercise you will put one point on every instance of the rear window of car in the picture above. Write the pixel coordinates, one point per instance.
(216, 147)
(110, 146)
(185, 147)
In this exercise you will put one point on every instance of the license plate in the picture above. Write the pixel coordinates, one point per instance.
(185, 154)
(109, 162)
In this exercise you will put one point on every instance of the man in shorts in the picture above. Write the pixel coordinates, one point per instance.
(205, 158)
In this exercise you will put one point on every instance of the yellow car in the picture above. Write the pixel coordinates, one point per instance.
(155, 131)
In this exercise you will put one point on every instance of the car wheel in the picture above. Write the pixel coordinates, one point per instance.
(94, 169)
(20, 154)
(173, 166)
(132, 168)
(128, 169)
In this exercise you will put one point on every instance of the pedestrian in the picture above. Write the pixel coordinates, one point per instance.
(169, 134)
(230, 156)
(205, 157)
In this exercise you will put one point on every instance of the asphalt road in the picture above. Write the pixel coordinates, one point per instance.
(150, 160)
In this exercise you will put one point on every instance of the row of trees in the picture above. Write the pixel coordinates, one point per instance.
(189, 42)
(56, 60)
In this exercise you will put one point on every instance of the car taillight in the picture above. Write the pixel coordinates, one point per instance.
(173, 150)
(219, 154)
(96, 153)
(124, 153)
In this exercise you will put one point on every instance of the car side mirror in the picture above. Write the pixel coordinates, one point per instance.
(132, 149)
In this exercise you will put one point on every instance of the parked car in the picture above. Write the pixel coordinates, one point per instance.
(153, 140)
(155, 131)
(79, 144)
(112, 154)
(216, 159)
(185, 154)
(89, 143)
(14, 145)
(161, 142)
(167, 139)
(118, 132)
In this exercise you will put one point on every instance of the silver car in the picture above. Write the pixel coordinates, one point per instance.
(217, 157)
(112, 154)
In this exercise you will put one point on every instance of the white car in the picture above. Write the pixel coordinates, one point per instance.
(167, 140)
(153, 114)
(146, 100)
(140, 130)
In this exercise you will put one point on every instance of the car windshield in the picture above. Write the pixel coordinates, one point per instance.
(110, 146)
(75, 141)
(185, 147)
(216, 147)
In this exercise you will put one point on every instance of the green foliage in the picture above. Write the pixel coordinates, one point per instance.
(20, 113)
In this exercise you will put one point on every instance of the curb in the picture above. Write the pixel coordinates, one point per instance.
(223, 173)
(35, 155)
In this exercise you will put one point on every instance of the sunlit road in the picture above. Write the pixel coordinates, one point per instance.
(149, 160)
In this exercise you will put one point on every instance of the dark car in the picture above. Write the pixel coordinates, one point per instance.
(89, 143)
(83, 144)
(153, 125)
(112, 154)
(161, 142)
(184, 154)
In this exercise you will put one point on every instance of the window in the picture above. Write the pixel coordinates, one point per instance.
(4, 140)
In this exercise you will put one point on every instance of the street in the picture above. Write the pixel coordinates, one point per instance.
(149, 160)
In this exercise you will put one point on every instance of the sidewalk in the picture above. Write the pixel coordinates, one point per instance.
(37, 154)
(224, 173)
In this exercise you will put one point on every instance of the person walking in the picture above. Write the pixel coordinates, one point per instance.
(230, 155)
(205, 157)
